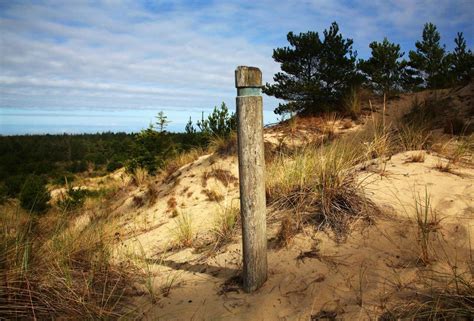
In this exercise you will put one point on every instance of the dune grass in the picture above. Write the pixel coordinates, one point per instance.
(427, 223)
(321, 181)
(52, 268)
(225, 223)
(183, 231)
(139, 176)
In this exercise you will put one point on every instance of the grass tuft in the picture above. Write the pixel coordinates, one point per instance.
(225, 224)
(139, 176)
(320, 181)
(61, 271)
(224, 146)
(184, 232)
(427, 224)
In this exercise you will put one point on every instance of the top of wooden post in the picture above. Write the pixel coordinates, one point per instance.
(248, 77)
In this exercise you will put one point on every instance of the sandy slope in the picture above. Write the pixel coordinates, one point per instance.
(355, 278)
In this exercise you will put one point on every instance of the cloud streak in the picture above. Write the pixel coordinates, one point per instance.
(180, 54)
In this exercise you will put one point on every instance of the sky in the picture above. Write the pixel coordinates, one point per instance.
(86, 66)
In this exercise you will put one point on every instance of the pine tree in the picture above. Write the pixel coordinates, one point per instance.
(220, 123)
(430, 58)
(384, 69)
(315, 74)
(162, 121)
(189, 129)
(461, 61)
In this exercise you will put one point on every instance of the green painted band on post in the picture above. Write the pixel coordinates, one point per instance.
(249, 91)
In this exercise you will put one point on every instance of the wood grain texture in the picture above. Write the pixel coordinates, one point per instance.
(252, 190)
(248, 77)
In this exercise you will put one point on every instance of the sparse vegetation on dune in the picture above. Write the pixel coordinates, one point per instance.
(184, 231)
(88, 250)
(225, 223)
(54, 267)
(68, 252)
(320, 181)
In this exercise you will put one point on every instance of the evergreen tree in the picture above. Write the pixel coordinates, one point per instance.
(430, 58)
(219, 123)
(384, 69)
(34, 195)
(461, 61)
(162, 121)
(315, 74)
(189, 129)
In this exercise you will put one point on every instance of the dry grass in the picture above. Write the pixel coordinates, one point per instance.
(463, 151)
(225, 224)
(224, 146)
(289, 227)
(181, 160)
(320, 181)
(223, 175)
(427, 223)
(171, 203)
(152, 193)
(444, 166)
(352, 104)
(412, 136)
(212, 195)
(442, 293)
(59, 271)
(418, 157)
(329, 126)
(139, 176)
(377, 140)
(183, 232)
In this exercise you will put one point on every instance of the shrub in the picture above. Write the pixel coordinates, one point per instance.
(113, 165)
(220, 123)
(3, 193)
(78, 166)
(62, 179)
(73, 199)
(14, 184)
(34, 196)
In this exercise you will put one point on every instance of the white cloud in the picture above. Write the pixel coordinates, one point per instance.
(179, 55)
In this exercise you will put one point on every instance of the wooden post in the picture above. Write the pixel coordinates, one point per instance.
(248, 81)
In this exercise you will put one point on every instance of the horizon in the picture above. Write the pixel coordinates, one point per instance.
(131, 59)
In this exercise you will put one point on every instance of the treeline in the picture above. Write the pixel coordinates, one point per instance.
(28, 163)
(317, 74)
(54, 157)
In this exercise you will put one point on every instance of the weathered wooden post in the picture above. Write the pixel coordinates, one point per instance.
(248, 81)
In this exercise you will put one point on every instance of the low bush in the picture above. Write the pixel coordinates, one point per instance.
(113, 165)
(34, 195)
(73, 198)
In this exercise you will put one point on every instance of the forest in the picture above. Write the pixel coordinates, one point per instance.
(57, 159)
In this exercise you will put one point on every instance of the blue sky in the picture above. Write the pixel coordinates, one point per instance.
(178, 56)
